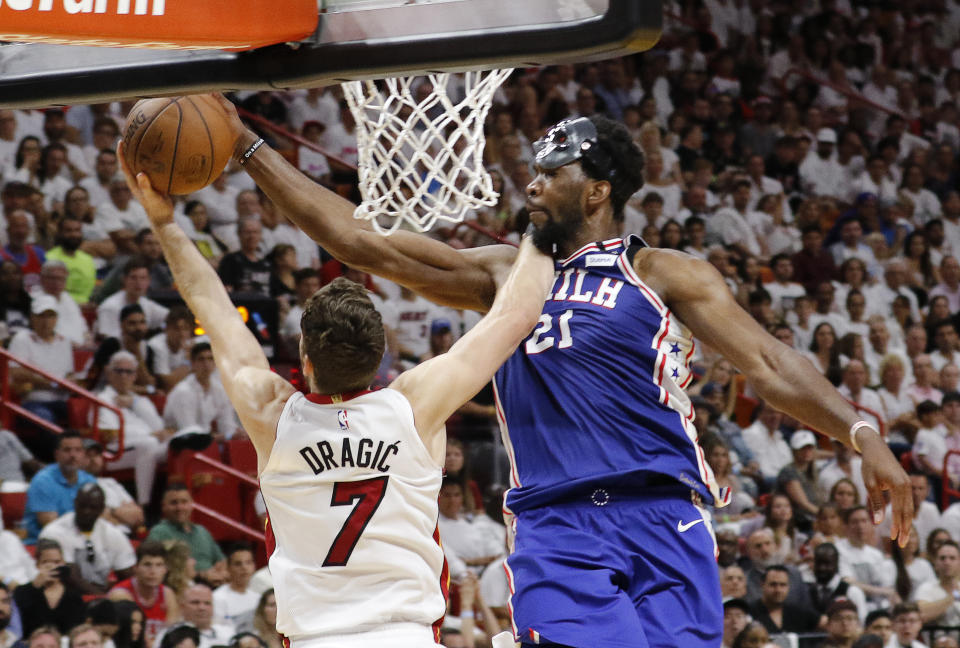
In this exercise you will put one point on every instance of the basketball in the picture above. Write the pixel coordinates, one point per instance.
(181, 143)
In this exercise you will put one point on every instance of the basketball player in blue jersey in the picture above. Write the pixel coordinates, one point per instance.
(611, 548)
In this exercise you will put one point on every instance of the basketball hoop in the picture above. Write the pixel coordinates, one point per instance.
(421, 160)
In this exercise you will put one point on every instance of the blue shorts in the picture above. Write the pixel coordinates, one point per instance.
(639, 571)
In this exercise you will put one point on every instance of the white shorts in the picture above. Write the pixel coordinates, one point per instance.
(395, 635)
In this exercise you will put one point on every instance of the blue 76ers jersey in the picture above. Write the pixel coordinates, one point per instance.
(594, 397)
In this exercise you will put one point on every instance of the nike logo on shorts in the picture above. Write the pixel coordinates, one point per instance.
(681, 527)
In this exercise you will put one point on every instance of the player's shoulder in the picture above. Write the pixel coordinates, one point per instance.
(669, 269)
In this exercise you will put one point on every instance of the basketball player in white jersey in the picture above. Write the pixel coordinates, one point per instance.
(350, 477)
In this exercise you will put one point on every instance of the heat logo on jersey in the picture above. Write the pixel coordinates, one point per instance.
(342, 419)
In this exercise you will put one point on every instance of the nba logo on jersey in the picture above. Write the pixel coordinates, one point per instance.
(342, 419)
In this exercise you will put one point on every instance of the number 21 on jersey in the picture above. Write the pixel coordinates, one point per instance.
(541, 340)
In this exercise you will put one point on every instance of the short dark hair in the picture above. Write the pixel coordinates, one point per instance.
(950, 397)
(614, 138)
(775, 568)
(904, 608)
(199, 348)
(343, 335)
(67, 434)
(927, 407)
(303, 274)
(850, 511)
(179, 314)
(652, 197)
(47, 544)
(876, 614)
(237, 547)
(130, 309)
(135, 263)
(151, 548)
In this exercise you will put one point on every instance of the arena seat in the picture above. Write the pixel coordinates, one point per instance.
(242, 456)
(13, 505)
(906, 460)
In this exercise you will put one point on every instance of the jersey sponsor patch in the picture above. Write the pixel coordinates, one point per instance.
(604, 260)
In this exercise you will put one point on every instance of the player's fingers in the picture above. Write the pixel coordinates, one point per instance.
(902, 512)
(874, 499)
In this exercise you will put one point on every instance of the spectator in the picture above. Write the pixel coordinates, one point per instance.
(15, 460)
(813, 264)
(85, 636)
(199, 399)
(130, 625)
(926, 515)
(760, 550)
(843, 624)
(144, 436)
(48, 599)
(177, 509)
(246, 271)
(147, 249)
(930, 446)
(306, 282)
(949, 285)
(415, 314)
(136, 281)
(92, 547)
(265, 619)
(184, 635)
(924, 381)
(854, 388)
(42, 347)
(783, 290)
(828, 587)
(234, 602)
(53, 489)
(199, 610)
(98, 184)
(477, 541)
(170, 362)
(845, 464)
(16, 565)
(799, 479)
(732, 226)
(133, 334)
(861, 562)
(935, 599)
(28, 257)
(774, 612)
(70, 321)
(879, 623)
(907, 624)
(121, 216)
(736, 614)
(764, 439)
(14, 300)
(7, 636)
(120, 507)
(81, 270)
(733, 582)
(102, 615)
(146, 589)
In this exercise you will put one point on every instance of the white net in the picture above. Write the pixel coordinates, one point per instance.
(420, 147)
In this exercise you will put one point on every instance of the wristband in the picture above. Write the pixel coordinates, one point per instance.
(250, 151)
(466, 614)
(853, 434)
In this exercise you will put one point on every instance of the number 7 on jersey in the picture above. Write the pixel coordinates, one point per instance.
(367, 494)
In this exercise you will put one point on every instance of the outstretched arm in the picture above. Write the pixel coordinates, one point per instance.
(695, 291)
(257, 393)
(433, 269)
(439, 386)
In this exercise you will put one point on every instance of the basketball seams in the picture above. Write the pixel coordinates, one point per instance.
(206, 129)
(142, 132)
(176, 145)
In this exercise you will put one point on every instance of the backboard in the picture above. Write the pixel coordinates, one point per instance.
(353, 39)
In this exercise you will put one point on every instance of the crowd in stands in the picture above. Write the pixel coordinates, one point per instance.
(810, 152)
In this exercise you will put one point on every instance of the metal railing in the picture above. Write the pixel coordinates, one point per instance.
(9, 409)
(855, 95)
(212, 464)
(266, 124)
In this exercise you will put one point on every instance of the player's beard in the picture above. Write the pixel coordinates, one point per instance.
(556, 233)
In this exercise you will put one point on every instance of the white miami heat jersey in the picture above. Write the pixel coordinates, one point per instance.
(351, 493)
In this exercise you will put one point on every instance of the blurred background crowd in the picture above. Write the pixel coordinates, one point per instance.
(808, 151)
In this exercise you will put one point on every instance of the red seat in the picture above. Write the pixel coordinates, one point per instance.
(242, 455)
(13, 505)
(81, 358)
(78, 413)
(906, 460)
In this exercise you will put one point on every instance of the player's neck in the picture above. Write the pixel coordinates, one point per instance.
(592, 230)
